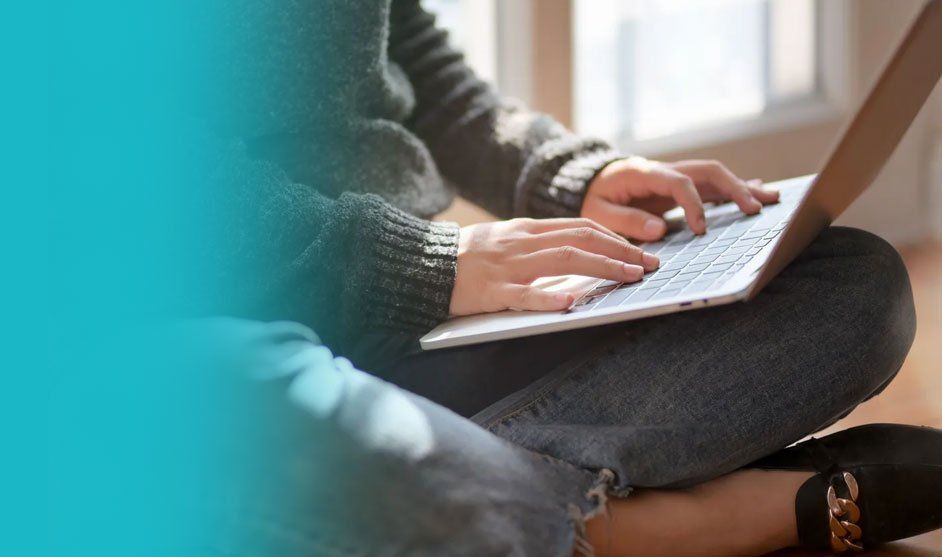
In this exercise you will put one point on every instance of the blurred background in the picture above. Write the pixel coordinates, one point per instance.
(764, 86)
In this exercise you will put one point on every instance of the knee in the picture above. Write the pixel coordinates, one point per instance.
(879, 280)
(872, 299)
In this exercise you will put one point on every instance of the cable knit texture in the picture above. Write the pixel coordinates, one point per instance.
(355, 123)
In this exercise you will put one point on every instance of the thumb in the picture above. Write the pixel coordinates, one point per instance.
(532, 298)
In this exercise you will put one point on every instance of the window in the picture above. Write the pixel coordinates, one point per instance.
(645, 69)
(471, 25)
(660, 75)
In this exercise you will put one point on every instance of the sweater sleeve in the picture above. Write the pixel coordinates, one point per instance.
(496, 152)
(342, 266)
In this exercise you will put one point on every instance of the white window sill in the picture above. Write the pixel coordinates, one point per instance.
(808, 113)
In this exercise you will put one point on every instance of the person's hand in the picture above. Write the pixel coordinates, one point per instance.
(498, 261)
(630, 195)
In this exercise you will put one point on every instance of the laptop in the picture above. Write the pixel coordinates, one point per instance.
(740, 254)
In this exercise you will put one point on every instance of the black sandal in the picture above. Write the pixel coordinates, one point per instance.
(875, 484)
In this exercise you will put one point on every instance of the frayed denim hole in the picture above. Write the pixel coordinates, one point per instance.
(597, 496)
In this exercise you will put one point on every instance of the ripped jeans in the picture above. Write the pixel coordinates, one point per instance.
(541, 430)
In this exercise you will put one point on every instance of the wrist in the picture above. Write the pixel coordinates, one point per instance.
(555, 185)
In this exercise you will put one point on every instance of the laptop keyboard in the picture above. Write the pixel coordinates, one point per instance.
(692, 263)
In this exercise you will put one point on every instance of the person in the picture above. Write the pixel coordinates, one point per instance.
(357, 123)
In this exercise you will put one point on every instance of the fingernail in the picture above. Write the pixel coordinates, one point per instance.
(650, 261)
(755, 182)
(653, 227)
(701, 222)
(633, 272)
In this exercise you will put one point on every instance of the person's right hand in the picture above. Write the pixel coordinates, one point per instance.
(498, 261)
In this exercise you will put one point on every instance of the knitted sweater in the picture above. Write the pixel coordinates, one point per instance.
(357, 123)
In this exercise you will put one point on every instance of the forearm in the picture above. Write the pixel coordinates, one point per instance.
(342, 266)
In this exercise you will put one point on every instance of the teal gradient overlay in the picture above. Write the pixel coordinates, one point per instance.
(134, 420)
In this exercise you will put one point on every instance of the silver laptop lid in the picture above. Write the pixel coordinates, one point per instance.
(868, 140)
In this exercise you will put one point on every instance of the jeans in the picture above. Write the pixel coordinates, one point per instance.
(506, 448)
(675, 400)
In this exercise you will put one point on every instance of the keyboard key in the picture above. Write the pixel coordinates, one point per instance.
(722, 242)
(694, 268)
(699, 284)
(685, 256)
(628, 287)
(723, 267)
(751, 235)
(727, 259)
(670, 250)
(706, 258)
(666, 273)
(741, 227)
(656, 282)
(653, 247)
(672, 266)
(667, 293)
(747, 240)
(762, 243)
(682, 280)
(736, 250)
(642, 295)
(710, 234)
(616, 298)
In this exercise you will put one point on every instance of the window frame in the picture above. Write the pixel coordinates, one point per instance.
(535, 63)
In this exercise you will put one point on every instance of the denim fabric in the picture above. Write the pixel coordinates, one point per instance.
(683, 398)
(335, 462)
(358, 466)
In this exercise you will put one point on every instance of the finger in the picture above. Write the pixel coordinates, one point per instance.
(682, 189)
(761, 193)
(537, 226)
(568, 260)
(532, 298)
(715, 175)
(592, 241)
(629, 221)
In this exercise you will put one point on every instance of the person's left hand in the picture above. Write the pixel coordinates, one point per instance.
(630, 196)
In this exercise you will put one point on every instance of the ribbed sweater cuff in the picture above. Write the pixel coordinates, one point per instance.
(411, 271)
(554, 182)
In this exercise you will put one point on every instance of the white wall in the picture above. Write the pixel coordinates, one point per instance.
(897, 205)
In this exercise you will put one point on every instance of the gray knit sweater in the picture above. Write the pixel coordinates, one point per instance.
(357, 123)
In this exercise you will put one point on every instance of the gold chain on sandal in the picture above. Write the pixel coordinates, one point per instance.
(843, 515)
